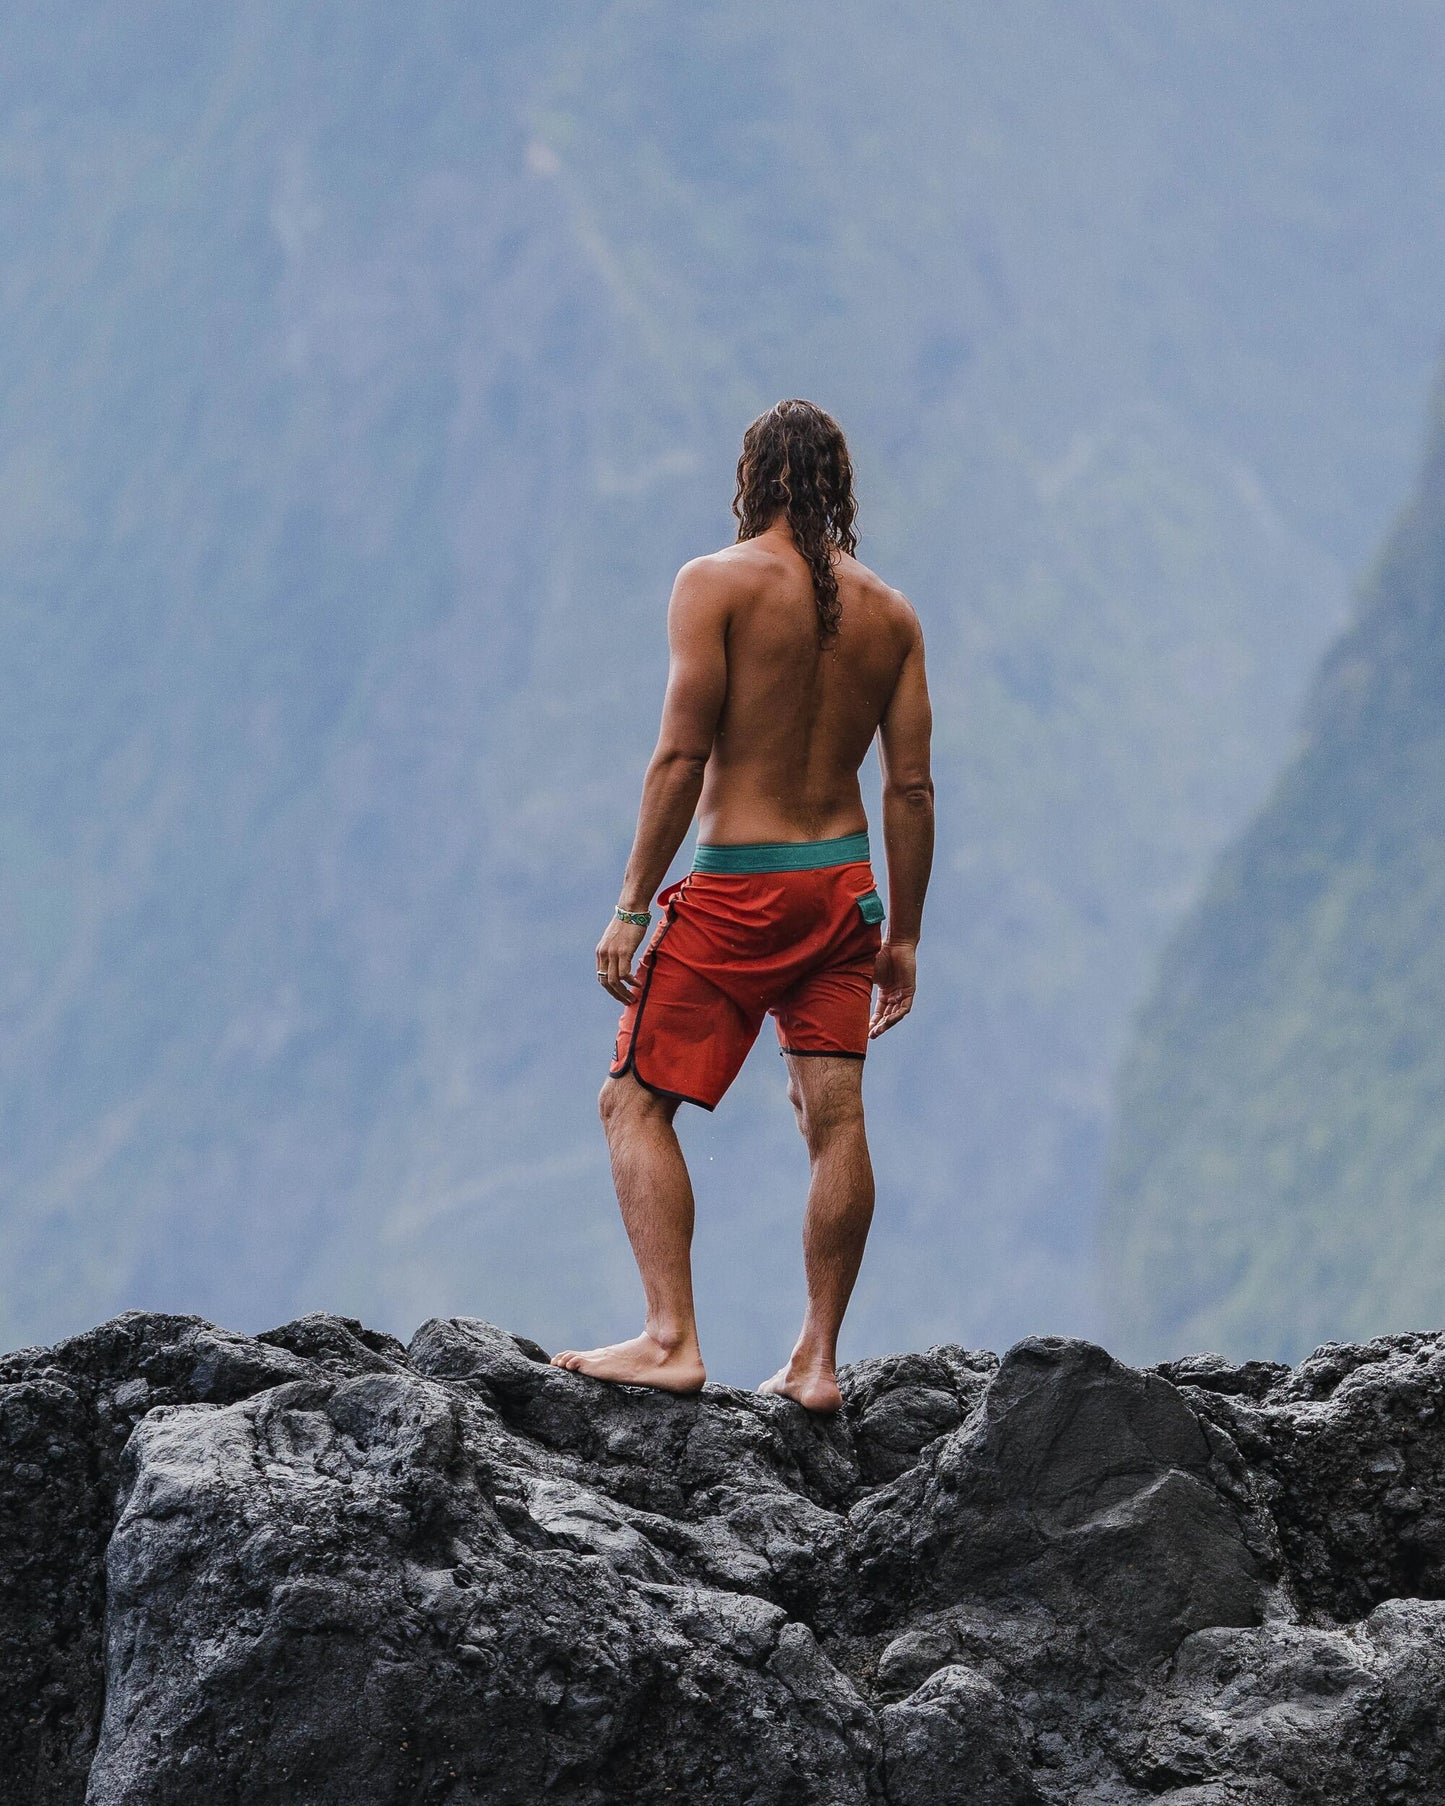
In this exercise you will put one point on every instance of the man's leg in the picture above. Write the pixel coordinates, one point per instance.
(827, 1095)
(655, 1194)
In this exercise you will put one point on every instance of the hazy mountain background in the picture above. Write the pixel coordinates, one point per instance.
(366, 374)
(1280, 1164)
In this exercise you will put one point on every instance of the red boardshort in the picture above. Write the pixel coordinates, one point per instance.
(790, 929)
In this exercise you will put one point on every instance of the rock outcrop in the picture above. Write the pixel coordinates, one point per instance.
(316, 1566)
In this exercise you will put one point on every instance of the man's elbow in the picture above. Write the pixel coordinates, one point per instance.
(914, 794)
(682, 762)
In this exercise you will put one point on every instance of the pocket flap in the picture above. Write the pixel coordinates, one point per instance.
(870, 907)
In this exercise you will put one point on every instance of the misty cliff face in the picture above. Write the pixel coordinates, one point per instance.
(367, 373)
(1281, 1149)
(318, 1566)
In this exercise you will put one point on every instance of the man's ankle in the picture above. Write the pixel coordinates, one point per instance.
(812, 1357)
(673, 1338)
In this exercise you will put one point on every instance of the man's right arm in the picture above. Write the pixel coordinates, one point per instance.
(697, 618)
(904, 737)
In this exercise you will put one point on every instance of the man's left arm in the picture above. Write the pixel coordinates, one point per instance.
(696, 686)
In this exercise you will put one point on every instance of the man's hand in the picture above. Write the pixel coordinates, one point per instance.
(895, 972)
(615, 953)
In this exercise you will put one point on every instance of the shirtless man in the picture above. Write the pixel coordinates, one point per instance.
(787, 657)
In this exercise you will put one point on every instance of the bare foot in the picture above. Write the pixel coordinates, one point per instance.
(814, 1388)
(640, 1362)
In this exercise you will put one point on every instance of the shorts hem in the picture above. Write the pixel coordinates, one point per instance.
(679, 1097)
(821, 1053)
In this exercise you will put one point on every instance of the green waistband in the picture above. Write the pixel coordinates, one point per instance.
(782, 855)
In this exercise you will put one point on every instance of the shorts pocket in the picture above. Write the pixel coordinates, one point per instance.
(870, 907)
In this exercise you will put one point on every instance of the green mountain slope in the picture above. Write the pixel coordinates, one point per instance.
(364, 377)
(1280, 1164)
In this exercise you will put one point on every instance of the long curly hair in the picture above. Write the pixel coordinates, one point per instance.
(795, 459)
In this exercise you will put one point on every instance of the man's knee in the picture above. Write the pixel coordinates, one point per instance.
(613, 1100)
(824, 1119)
(624, 1099)
(828, 1103)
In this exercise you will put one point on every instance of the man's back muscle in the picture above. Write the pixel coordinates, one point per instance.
(797, 718)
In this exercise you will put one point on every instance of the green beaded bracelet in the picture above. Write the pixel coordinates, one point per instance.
(639, 918)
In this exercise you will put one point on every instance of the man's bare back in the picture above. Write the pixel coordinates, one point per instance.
(787, 658)
(797, 717)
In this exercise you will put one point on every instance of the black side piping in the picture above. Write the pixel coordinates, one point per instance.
(629, 1064)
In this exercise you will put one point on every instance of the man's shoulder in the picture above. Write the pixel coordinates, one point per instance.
(725, 572)
(892, 603)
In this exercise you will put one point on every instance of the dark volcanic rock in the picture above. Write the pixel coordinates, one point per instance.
(317, 1566)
